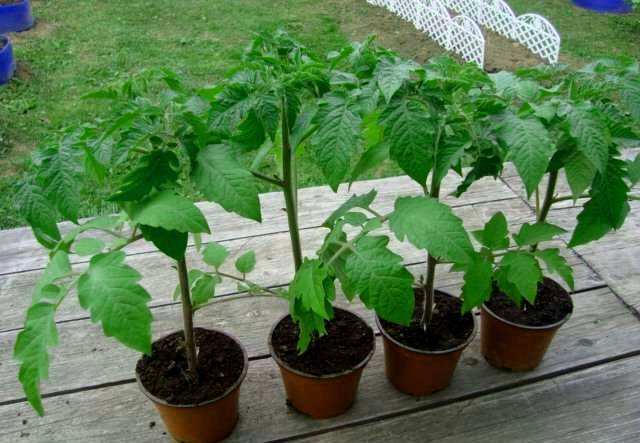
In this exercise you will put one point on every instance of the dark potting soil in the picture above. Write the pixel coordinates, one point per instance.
(163, 373)
(552, 304)
(448, 328)
(347, 342)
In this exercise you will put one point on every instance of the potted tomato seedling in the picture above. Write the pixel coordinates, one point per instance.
(567, 127)
(137, 160)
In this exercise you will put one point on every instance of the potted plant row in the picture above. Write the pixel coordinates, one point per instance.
(159, 153)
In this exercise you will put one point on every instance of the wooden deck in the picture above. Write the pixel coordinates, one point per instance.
(586, 390)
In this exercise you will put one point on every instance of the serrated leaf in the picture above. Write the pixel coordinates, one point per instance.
(558, 264)
(477, 282)
(153, 170)
(337, 139)
(355, 218)
(327, 254)
(431, 225)
(450, 151)
(370, 159)
(381, 280)
(495, 234)
(523, 272)
(530, 148)
(309, 287)
(591, 134)
(391, 73)
(215, 254)
(608, 207)
(223, 180)
(110, 291)
(57, 268)
(537, 233)
(34, 206)
(32, 344)
(171, 212)
(409, 132)
(203, 289)
(363, 201)
(246, 262)
(580, 172)
(170, 242)
(633, 168)
(88, 246)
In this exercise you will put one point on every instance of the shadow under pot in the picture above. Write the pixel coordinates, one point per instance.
(202, 412)
(516, 338)
(419, 363)
(323, 382)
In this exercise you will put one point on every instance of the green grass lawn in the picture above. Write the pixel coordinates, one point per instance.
(79, 46)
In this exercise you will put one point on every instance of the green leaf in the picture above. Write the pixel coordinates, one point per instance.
(309, 286)
(171, 212)
(203, 289)
(431, 225)
(250, 134)
(32, 344)
(631, 98)
(591, 133)
(153, 170)
(223, 180)
(477, 282)
(633, 168)
(170, 242)
(327, 253)
(34, 206)
(391, 73)
(580, 172)
(246, 262)
(409, 132)
(59, 173)
(536, 233)
(495, 235)
(381, 280)
(450, 151)
(608, 207)
(57, 268)
(89, 246)
(215, 254)
(363, 201)
(337, 139)
(530, 148)
(558, 264)
(523, 272)
(370, 159)
(109, 289)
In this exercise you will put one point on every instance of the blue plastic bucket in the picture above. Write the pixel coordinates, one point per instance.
(604, 6)
(16, 17)
(7, 62)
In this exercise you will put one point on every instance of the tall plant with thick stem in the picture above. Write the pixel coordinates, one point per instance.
(432, 119)
(147, 161)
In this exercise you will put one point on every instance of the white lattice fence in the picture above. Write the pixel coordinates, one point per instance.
(406, 9)
(433, 18)
(466, 40)
(536, 33)
(497, 16)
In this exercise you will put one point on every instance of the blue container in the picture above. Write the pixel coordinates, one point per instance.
(7, 62)
(16, 17)
(604, 6)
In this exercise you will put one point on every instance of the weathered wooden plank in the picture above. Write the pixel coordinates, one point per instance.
(274, 267)
(601, 328)
(20, 252)
(599, 404)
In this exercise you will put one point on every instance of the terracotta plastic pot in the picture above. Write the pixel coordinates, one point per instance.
(320, 396)
(206, 422)
(418, 372)
(508, 345)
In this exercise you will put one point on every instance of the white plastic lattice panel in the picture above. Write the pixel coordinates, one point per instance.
(376, 2)
(389, 4)
(432, 17)
(466, 40)
(406, 9)
(469, 8)
(537, 34)
(497, 16)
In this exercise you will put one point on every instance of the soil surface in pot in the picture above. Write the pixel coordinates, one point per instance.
(220, 364)
(448, 328)
(348, 341)
(552, 305)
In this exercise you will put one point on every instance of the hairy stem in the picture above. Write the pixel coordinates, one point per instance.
(187, 318)
(244, 280)
(266, 178)
(290, 188)
(548, 201)
(216, 301)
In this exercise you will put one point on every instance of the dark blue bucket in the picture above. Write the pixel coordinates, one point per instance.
(604, 6)
(7, 62)
(16, 17)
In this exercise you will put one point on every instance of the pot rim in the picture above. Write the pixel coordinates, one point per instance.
(534, 328)
(285, 365)
(232, 388)
(7, 43)
(13, 5)
(463, 345)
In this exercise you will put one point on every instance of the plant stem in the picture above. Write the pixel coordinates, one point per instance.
(216, 301)
(568, 197)
(548, 201)
(244, 280)
(290, 188)
(272, 180)
(187, 318)
(634, 197)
